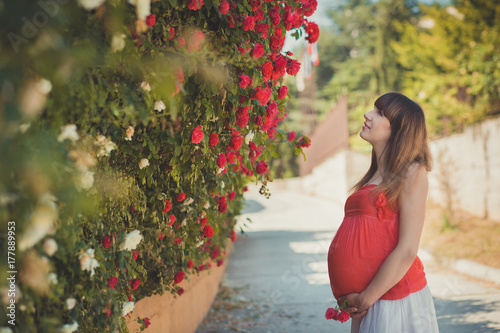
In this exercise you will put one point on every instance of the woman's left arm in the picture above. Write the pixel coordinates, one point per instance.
(412, 212)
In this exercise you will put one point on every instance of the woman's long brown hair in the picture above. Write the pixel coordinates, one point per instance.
(406, 145)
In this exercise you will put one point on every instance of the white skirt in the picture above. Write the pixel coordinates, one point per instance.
(412, 314)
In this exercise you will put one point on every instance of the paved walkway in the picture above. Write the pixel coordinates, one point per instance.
(279, 274)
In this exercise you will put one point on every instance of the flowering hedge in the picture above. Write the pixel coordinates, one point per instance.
(129, 131)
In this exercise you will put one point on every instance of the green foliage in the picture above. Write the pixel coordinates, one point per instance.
(100, 132)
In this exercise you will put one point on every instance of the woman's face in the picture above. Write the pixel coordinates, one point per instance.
(376, 129)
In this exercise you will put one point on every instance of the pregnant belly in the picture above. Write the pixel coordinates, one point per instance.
(354, 257)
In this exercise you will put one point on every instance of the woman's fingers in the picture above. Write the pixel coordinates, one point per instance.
(357, 315)
(351, 309)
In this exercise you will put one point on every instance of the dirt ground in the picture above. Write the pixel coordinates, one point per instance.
(461, 236)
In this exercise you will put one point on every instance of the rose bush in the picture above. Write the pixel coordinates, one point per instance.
(126, 127)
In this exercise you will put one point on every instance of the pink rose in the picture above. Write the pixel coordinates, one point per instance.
(291, 136)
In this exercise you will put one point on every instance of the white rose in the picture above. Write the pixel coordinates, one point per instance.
(206, 205)
(249, 137)
(127, 308)
(105, 145)
(53, 278)
(85, 181)
(41, 222)
(130, 132)
(160, 106)
(131, 241)
(145, 86)
(118, 42)
(188, 201)
(68, 132)
(50, 247)
(34, 96)
(69, 328)
(87, 261)
(143, 163)
(5, 330)
(70, 303)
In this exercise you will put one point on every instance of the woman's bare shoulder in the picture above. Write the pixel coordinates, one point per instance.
(416, 177)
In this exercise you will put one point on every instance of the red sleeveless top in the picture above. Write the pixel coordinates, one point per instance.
(367, 235)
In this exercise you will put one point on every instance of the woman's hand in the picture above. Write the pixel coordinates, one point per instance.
(356, 306)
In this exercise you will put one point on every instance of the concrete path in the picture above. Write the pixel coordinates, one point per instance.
(278, 268)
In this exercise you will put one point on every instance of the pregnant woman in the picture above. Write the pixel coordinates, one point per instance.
(372, 261)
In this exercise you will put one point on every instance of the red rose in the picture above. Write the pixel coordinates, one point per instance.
(204, 221)
(291, 136)
(305, 142)
(161, 236)
(236, 142)
(213, 139)
(248, 23)
(135, 254)
(272, 110)
(202, 267)
(231, 21)
(112, 281)
(168, 206)
(181, 196)
(147, 322)
(312, 30)
(178, 74)
(262, 29)
(179, 277)
(279, 67)
(182, 41)
(331, 313)
(257, 51)
(194, 41)
(293, 67)
(208, 231)
(197, 135)
(258, 120)
(150, 20)
(172, 33)
(277, 43)
(106, 242)
(309, 7)
(180, 291)
(135, 283)
(259, 15)
(343, 316)
(242, 116)
(231, 195)
(262, 167)
(224, 7)
(244, 81)
(245, 189)
(178, 240)
(230, 157)
(220, 262)
(274, 14)
(221, 160)
(267, 70)
(263, 95)
(222, 207)
(282, 92)
(171, 219)
(190, 263)
(252, 145)
(233, 236)
(195, 4)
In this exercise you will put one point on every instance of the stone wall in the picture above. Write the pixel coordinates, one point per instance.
(466, 171)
